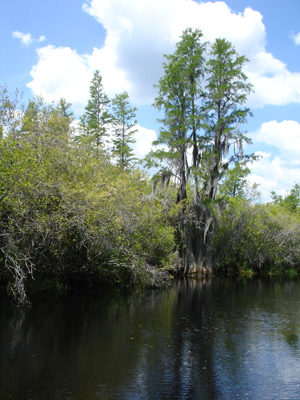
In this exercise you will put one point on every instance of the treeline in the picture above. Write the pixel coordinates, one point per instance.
(202, 95)
(256, 238)
(71, 209)
(75, 208)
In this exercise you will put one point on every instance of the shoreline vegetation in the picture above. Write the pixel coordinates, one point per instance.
(78, 209)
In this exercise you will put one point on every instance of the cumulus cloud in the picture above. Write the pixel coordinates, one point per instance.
(138, 48)
(281, 172)
(61, 72)
(138, 33)
(273, 83)
(284, 135)
(25, 38)
(144, 138)
(273, 175)
(296, 38)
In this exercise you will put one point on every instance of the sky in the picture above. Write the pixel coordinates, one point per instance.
(53, 48)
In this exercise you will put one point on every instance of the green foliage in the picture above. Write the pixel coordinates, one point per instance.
(200, 136)
(259, 237)
(68, 215)
(208, 129)
(123, 123)
(178, 91)
(225, 93)
(291, 201)
(9, 116)
(235, 182)
(94, 122)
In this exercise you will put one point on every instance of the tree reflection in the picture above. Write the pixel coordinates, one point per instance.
(203, 338)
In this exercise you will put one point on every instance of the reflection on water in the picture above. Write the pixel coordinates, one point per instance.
(202, 339)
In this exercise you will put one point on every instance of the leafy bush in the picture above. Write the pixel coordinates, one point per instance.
(67, 213)
(261, 237)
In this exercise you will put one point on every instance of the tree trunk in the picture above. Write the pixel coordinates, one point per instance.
(189, 261)
(197, 237)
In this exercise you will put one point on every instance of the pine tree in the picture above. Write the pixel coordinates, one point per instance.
(123, 122)
(96, 116)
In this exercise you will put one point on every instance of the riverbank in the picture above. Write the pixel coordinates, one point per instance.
(47, 288)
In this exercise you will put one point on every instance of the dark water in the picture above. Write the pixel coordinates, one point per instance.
(206, 339)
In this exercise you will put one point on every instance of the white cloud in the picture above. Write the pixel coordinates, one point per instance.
(131, 58)
(281, 172)
(144, 138)
(114, 78)
(273, 83)
(136, 48)
(25, 38)
(296, 38)
(284, 135)
(273, 175)
(61, 72)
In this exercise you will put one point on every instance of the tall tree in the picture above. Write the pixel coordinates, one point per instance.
(201, 134)
(178, 93)
(64, 110)
(96, 116)
(226, 92)
(123, 123)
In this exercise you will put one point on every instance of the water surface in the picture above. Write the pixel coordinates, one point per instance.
(201, 339)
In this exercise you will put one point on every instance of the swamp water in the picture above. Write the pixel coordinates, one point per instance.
(201, 339)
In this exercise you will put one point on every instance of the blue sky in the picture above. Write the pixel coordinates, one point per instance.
(52, 48)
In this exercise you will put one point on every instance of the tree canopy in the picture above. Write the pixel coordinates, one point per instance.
(201, 94)
(75, 208)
